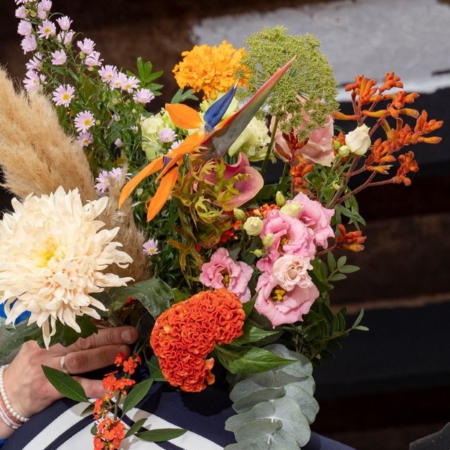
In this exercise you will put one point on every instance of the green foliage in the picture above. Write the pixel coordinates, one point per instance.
(137, 393)
(65, 384)
(161, 434)
(275, 408)
(310, 75)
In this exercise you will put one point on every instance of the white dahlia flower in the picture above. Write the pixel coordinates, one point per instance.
(54, 255)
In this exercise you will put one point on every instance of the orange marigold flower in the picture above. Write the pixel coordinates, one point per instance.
(210, 69)
(184, 334)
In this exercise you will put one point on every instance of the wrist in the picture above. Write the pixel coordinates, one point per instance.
(11, 413)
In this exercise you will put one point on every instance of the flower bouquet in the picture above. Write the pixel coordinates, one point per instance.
(216, 225)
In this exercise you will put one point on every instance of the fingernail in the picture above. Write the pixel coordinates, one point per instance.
(126, 336)
(124, 349)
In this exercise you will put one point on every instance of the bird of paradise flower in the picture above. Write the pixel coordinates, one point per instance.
(212, 141)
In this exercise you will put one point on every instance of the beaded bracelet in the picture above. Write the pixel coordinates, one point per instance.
(9, 409)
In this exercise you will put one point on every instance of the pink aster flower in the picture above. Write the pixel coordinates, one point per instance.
(29, 44)
(223, 272)
(130, 84)
(143, 96)
(63, 95)
(64, 23)
(281, 306)
(45, 5)
(167, 135)
(93, 60)
(32, 81)
(316, 217)
(118, 81)
(21, 12)
(59, 57)
(24, 28)
(85, 139)
(150, 247)
(83, 121)
(86, 46)
(66, 37)
(47, 29)
(103, 181)
(35, 63)
(107, 73)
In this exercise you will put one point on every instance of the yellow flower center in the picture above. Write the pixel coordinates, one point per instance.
(277, 294)
(226, 278)
(47, 253)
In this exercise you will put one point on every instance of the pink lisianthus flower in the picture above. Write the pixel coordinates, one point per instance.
(319, 145)
(281, 306)
(316, 217)
(222, 272)
(290, 236)
(291, 271)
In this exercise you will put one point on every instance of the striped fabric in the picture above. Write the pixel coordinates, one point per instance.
(61, 427)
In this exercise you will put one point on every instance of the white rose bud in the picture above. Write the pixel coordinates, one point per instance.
(292, 209)
(268, 240)
(358, 140)
(253, 226)
(344, 151)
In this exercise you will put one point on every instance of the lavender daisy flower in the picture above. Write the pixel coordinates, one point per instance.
(59, 57)
(64, 23)
(24, 28)
(167, 135)
(143, 96)
(93, 60)
(107, 73)
(86, 46)
(63, 95)
(35, 63)
(32, 81)
(29, 44)
(21, 12)
(85, 139)
(130, 84)
(47, 29)
(103, 181)
(83, 121)
(150, 247)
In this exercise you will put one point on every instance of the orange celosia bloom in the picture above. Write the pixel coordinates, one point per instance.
(185, 333)
(208, 69)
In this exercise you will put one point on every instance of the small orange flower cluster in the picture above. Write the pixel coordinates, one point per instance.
(210, 69)
(351, 240)
(366, 96)
(110, 434)
(298, 172)
(187, 332)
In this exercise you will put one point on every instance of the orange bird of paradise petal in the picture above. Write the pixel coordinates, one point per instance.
(211, 141)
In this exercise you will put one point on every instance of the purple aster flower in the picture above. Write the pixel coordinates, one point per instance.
(103, 181)
(143, 96)
(86, 46)
(167, 135)
(118, 81)
(64, 23)
(83, 121)
(47, 29)
(175, 145)
(63, 95)
(21, 12)
(85, 139)
(32, 81)
(118, 143)
(35, 63)
(59, 57)
(107, 73)
(24, 28)
(94, 60)
(45, 5)
(130, 84)
(65, 37)
(29, 44)
(150, 247)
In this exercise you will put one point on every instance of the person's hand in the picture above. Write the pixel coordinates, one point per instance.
(28, 389)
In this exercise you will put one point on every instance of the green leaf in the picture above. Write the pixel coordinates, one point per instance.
(338, 277)
(94, 429)
(88, 410)
(243, 404)
(359, 318)
(248, 306)
(361, 328)
(253, 334)
(341, 262)
(153, 293)
(161, 435)
(11, 339)
(136, 427)
(331, 262)
(349, 269)
(66, 335)
(179, 296)
(65, 384)
(249, 360)
(136, 394)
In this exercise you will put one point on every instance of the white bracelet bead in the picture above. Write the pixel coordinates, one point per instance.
(6, 402)
(7, 420)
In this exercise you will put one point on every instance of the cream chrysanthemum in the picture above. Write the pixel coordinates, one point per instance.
(53, 257)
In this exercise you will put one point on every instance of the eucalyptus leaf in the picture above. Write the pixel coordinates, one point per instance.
(65, 384)
(263, 395)
(137, 393)
(257, 429)
(161, 434)
(308, 404)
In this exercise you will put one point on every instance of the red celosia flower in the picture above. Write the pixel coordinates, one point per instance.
(184, 335)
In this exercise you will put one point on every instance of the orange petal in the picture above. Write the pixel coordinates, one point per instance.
(184, 116)
(162, 194)
(148, 170)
